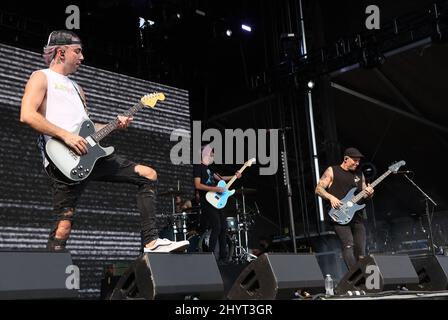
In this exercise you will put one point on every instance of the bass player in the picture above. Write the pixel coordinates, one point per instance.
(334, 184)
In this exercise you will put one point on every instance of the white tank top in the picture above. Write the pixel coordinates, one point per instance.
(64, 108)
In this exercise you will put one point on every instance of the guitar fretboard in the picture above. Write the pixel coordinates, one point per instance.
(231, 181)
(363, 193)
(111, 126)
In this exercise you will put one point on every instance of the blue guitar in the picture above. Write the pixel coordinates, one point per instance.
(219, 200)
(350, 206)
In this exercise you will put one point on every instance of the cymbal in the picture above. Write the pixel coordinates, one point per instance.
(245, 191)
(171, 192)
(183, 213)
(195, 208)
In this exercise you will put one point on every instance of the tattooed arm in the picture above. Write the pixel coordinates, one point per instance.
(325, 181)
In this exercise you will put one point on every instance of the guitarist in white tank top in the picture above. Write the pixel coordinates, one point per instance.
(332, 186)
(63, 105)
(54, 106)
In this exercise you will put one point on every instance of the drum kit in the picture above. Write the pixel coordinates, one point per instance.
(181, 219)
(184, 224)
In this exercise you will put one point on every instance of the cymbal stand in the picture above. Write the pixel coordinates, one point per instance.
(238, 247)
(243, 252)
(184, 224)
(173, 213)
(245, 226)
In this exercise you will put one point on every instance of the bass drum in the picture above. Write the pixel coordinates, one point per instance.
(200, 243)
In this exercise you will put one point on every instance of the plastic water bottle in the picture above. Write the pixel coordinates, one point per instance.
(329, 291)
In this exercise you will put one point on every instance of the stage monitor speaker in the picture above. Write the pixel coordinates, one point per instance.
(171, 276)
(278, 276)
(376, 273)
(229, 273)
(37, 274)
(432, 272)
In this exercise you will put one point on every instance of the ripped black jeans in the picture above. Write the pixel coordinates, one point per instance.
(113, 168)
(353, 240)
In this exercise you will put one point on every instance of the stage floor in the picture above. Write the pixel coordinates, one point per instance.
(392, 295)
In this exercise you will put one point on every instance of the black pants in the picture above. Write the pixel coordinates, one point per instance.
(112, 169)
(215, 220)
(353, 240)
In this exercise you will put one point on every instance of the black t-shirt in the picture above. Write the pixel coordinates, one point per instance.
(206, 174)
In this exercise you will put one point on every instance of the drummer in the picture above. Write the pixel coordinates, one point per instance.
(182, 205)
(186, 205)
(195, 223)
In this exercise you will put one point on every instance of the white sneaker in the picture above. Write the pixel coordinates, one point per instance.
(165, 245)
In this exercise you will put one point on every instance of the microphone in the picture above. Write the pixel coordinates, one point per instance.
(403, 172)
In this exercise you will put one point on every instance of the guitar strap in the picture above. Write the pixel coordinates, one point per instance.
(219, 176)
(361, 176)
(80, 97)
(41, 147)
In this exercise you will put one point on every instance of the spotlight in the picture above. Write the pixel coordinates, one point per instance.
(246, 28)
(145, 23)
(222, 28)
(310, 84)
(200, 12)
(141, 23)
(179, 16)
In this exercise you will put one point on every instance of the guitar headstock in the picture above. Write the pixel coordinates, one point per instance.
(150, 100)
(250, 162)
(394, 167)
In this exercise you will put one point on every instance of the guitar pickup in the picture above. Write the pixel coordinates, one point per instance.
(91, 141)
(217, 197)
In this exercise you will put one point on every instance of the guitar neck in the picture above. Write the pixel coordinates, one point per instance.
(111, 126)
(231, 181)
(363, 193)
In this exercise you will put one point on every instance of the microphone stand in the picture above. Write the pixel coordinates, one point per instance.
(287, 183)
(427, 200)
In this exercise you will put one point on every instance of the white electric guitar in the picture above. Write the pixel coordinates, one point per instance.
(219, 200)
(77, 168)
